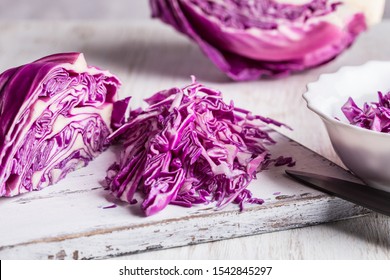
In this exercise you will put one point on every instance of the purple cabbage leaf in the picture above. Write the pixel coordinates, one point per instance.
(250, 39)
(190, 147)
(55, 115)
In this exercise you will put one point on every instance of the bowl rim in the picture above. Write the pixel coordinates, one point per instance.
(333, 120)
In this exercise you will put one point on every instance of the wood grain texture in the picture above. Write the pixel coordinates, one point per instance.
(148, 57)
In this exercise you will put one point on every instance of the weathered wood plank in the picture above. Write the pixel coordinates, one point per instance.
(69, 220)
(179, 232)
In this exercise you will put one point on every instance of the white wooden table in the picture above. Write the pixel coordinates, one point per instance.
(149, 56)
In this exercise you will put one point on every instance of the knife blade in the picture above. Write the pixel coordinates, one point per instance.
(363, 195)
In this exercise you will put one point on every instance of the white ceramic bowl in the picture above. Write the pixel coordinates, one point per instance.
(366, 153)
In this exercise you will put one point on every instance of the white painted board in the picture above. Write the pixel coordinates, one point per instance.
(70, 219)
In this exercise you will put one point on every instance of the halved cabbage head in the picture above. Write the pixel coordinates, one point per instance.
(249, 39)
(55, 114)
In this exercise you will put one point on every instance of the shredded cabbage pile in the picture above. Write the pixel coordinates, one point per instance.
(190, 147)
(374, 116)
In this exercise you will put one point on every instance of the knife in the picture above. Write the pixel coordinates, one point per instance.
(363, 195)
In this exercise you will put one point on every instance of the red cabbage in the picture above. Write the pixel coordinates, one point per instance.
(374, 116)
(190, 147)
(249, 39)
(54, 117)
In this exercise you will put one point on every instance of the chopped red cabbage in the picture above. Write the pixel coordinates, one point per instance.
(190, 147)
(54, 118)
(374, 116)
(249, 39)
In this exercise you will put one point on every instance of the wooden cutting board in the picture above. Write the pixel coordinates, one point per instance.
(74, 218)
